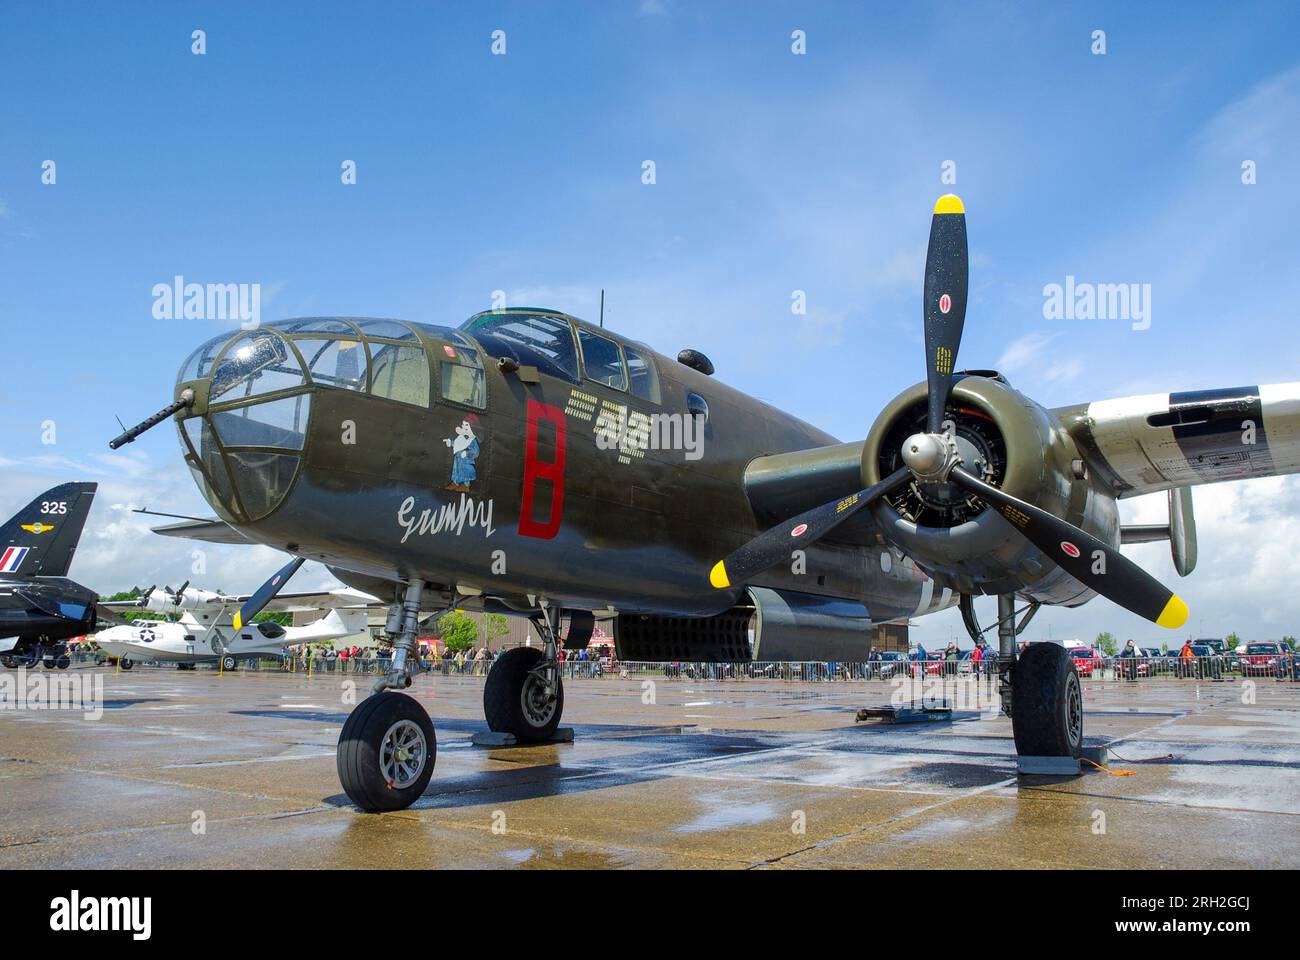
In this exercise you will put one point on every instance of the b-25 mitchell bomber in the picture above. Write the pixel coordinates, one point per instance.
(510, 464)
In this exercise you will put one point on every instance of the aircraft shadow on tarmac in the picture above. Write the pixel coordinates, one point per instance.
(661, 749)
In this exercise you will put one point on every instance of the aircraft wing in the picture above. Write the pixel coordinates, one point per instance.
(213, 531)
(1148, 443)
(104, 613)
(343, 598)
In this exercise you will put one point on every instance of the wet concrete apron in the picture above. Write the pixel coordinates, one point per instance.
(194, 769)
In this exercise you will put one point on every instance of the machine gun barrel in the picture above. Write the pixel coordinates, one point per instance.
(128, 436)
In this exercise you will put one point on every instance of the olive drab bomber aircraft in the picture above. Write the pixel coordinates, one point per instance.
(530, 463)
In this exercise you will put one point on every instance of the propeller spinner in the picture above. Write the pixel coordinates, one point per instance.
(937, 456)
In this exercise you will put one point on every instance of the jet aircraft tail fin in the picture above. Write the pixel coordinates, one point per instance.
(40, 539)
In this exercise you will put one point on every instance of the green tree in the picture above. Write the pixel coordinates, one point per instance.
(1290, 642)
(457, 630)
(1107, 643)
(495, 625)
(1232, 641)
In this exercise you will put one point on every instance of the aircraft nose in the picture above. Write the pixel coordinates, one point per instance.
(243, 437)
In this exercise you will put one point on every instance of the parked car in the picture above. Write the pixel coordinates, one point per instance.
(1209, 663)
(1264, 660)
(890, 663)
(1087, 660)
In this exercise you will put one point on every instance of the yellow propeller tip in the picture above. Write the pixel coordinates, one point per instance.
(949, 203)
(238, 622)
(1174, 615)
(718, 575)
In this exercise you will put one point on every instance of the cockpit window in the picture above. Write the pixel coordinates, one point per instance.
(399, 373)
(260, 362)
(602, 360)
(529, 338)
(317, 325)
(278, 423)
(200, 361)
(335, 363)
(462, 376)
(644, 376)
(388, 329)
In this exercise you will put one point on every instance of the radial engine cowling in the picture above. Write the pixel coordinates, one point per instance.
(1014, 444)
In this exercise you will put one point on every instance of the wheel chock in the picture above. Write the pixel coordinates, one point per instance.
(495, 738)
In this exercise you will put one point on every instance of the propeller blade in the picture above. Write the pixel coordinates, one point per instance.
(1094, 564)
(947, 277)
(266, 592)
(144, 597)
(180, 593)
(774, 544)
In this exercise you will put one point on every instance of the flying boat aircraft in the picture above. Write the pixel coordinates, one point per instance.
(205, 631)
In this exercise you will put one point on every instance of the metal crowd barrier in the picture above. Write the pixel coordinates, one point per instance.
(1116, 668)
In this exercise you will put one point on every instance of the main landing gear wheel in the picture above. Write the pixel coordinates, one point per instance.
(63, 662)
(386, 752)
(229, 663)
(515, 699)
(125, 664)
(1047, 706)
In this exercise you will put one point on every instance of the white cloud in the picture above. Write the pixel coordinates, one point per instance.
(118, 548)
(1031, 354)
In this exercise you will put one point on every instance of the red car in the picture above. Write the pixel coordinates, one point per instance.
(1263, 660)
(1087, 660)
(933, 665)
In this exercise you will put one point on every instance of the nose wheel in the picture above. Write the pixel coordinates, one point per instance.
(387, 747)
(386, 752)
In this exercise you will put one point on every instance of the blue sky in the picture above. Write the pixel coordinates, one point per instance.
(775, 173)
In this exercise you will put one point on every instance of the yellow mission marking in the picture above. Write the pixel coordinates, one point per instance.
(1018, 517)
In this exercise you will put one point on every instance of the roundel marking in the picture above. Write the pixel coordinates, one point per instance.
(800, 530)
(945, 303)
(1069, 549)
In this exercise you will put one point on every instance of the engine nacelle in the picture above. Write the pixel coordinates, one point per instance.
(772, 625)
(1014, 444)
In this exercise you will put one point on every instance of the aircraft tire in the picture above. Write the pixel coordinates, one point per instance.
(9, 663)
(511, 698)
(229, 663)
(1046, 703)
(368, 766)
(125, 664)
(63, 662)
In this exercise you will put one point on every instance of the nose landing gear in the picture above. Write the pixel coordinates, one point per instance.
(386, 752)
(388, 747)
